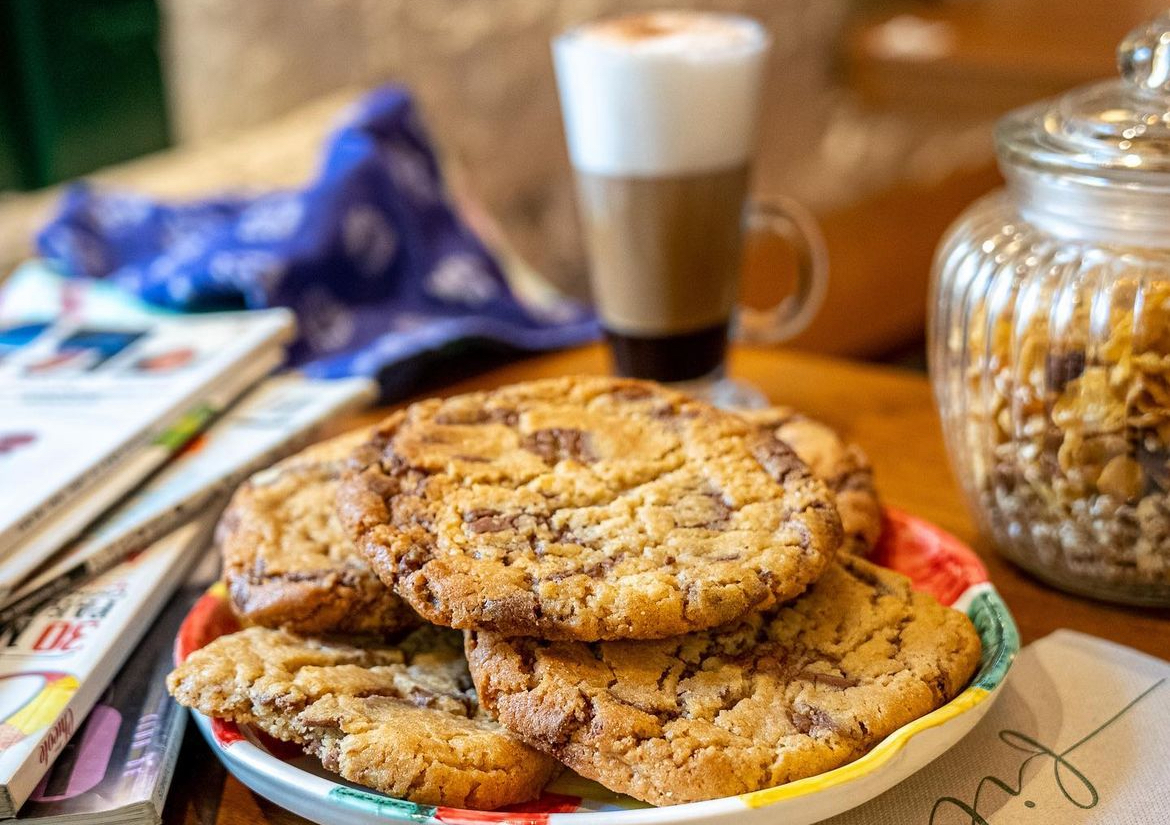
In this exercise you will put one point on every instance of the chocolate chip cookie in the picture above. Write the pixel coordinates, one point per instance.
(402, 720)
(585, 508)
(773, 698)
(288, 562)
(843, 466)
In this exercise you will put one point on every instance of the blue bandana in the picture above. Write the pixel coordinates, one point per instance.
(380, 269)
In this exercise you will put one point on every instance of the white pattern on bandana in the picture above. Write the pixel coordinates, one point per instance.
(369, 241)
(462, 279)
(326, 322)
(117, 212)
(246, 269)
(271, 219)
(411, 171)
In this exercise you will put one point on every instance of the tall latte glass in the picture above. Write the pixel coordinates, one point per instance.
(660, 116)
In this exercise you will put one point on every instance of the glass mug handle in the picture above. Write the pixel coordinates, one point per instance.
(786, 219)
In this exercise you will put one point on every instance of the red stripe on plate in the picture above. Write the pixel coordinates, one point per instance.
(936, 562)
(210, 618)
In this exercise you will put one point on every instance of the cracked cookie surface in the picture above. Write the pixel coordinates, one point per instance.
(843, 466)
(585, 508)
(288, 562)
(400, 719)
(776, 697)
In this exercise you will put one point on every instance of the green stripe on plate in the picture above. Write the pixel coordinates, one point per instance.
(384, 806)
(1001, 639)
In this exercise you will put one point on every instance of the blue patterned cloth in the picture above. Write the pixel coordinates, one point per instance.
(377, 265)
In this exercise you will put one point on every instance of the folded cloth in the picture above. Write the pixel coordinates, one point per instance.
(371, 256)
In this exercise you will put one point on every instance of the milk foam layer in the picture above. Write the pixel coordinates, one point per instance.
(662, 93)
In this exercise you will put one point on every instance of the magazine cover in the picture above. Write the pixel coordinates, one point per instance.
(118, 766)
(91, 406)
(55, 663)
(19, 561)
(273, 420)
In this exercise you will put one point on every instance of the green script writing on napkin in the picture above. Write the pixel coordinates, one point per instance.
(1081, 734)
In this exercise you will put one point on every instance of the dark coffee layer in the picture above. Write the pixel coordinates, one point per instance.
(682, 357)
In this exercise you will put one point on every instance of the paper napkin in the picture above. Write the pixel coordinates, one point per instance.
(1081, 734)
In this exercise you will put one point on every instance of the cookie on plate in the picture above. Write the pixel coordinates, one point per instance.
(843, 466)
(777, 697)
(585, 508)
(288, 562)
(402, 720)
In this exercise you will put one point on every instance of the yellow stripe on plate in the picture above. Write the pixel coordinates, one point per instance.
(873, 760)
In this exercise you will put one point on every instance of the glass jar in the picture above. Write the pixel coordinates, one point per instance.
(1050, 335)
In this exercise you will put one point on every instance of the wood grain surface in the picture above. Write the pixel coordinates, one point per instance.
(890, 413)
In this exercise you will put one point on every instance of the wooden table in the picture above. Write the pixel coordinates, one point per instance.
(889, 412)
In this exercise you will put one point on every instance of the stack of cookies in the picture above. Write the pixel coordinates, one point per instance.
(669, 599)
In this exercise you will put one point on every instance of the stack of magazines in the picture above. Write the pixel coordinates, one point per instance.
(122, 431)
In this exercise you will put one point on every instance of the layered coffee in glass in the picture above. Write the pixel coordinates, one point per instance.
(660, 117)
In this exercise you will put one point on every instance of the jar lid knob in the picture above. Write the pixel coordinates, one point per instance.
(1143, 57)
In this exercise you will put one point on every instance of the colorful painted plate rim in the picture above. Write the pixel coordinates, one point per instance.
(936, 561)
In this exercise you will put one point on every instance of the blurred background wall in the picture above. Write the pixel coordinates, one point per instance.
(877, 113)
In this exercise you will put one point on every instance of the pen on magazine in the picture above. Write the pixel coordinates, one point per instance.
(28, 605)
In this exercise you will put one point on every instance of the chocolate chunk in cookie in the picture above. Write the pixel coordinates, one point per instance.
(585, 508)
(773, 698)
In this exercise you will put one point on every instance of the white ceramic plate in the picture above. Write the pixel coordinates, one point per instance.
(935, 561)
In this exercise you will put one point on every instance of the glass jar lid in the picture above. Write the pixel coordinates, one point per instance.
(1117, 130)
